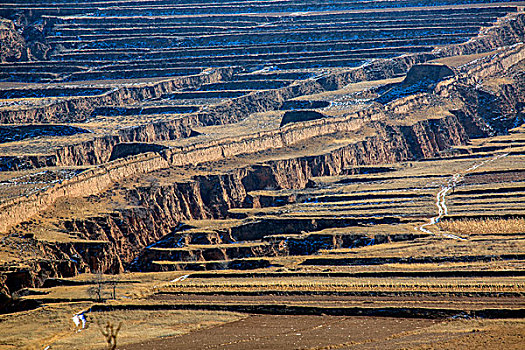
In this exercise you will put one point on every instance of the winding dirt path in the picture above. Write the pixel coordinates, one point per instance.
(451, 184)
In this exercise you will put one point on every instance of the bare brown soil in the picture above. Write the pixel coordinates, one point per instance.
(325, 332)
(291, 332)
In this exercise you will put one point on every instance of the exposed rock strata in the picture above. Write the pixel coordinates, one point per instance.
(79, 108)
(161, 208)
(509, 31)
(88, 183)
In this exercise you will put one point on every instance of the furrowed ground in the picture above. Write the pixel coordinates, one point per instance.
(262, 174)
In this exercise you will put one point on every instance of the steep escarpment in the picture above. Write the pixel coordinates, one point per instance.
(14, 163)
(91, 182)
(159, 209)
(119, 237)
(98, 150)
(147, 208)
(51, 260)
(508, 31)
(491, 90)
(23, 37)
(497, 111)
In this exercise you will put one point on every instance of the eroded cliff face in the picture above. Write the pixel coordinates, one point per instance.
(491, 90)
(159, 209)
(109, 242)
(472, 114)
(90, 182)
(46, 260)
(508, 31)
(14, 163)
(14, 47)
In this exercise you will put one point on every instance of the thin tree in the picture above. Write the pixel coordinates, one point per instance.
(98, 289)
(113, 284)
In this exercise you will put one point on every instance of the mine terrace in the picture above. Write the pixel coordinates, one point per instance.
(282, 174)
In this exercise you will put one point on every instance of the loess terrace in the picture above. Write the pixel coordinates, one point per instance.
(249, 163)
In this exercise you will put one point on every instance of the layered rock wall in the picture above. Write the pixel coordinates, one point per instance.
(509, 31)
(114, 239)
(14, 47)
(160, 209)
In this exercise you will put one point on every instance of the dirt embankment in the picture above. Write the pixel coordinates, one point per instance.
(507, 101)
(99, 150)
(392, 143)
(161, 208)
(91, 182)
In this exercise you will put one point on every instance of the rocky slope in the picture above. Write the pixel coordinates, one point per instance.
(73, 109)
(426, 142)
(159, 209)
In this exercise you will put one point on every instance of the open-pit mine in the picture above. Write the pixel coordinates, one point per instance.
(262, 174)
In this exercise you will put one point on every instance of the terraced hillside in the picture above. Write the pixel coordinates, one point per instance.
(204, 68)
(346, 159)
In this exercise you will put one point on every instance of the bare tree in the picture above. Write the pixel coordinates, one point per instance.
(97, 290)
(113, 284)
(110, 333)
